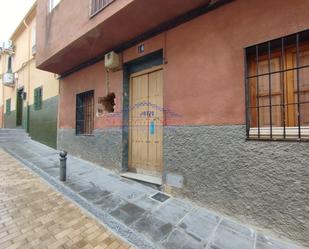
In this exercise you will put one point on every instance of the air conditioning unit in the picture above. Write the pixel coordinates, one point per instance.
(111, 60)
(8, 79)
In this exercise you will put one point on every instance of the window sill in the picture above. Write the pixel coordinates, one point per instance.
(279, 133)
(85, 135)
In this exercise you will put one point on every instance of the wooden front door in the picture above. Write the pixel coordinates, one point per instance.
(19, 108)
(146, 122)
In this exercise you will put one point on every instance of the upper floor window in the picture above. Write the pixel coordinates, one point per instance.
(98, 5)
(53, 4)
(33, 35)
(9, 69)
(277, 88)
(33, 40)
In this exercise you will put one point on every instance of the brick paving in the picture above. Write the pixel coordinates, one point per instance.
(33, 215)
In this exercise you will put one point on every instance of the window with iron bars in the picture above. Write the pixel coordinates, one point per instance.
(98, 5)
(277, 89)
(85, 113)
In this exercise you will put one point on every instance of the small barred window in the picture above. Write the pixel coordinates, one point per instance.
(84, 113)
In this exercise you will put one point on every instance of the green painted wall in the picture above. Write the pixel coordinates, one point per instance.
(43, 122)
(24, 120)
(10, 120)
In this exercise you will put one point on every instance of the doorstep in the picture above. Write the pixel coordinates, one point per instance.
(143, 178)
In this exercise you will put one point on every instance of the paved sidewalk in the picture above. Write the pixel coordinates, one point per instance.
(128, 208)
(33, 215)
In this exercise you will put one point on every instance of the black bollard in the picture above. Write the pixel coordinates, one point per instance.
(63, 165)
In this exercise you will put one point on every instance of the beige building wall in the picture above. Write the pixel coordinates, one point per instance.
(23, 64)
(6, 92)
(47, 81)
(40, 122)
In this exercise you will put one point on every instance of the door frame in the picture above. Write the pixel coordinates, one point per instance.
(146, 62)
(146, 71)
(137, 74)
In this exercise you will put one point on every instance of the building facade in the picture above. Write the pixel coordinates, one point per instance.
(29, 95)
(209, 99)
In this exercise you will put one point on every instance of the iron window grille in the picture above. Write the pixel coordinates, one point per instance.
(85, 113)
(38, 95)
(98, 5)
(277, 89)
(8, 106)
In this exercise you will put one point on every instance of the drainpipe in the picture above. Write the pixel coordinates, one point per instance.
(28, 86)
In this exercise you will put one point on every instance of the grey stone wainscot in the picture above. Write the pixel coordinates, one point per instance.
(262, 183)
(104, 147)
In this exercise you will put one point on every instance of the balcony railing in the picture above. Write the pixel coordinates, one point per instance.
(98, 5)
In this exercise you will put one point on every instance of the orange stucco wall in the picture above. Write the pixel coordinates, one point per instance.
(204, 78)
(204, 70)
(91, 78)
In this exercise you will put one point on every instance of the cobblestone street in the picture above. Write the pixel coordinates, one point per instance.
(33, 215)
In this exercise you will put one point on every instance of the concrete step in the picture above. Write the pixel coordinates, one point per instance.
(13, 141)
(143, 178)
(8, 130)
(13, 135)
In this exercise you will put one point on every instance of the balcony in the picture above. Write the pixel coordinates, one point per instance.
(71, 36)
(8, 79)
